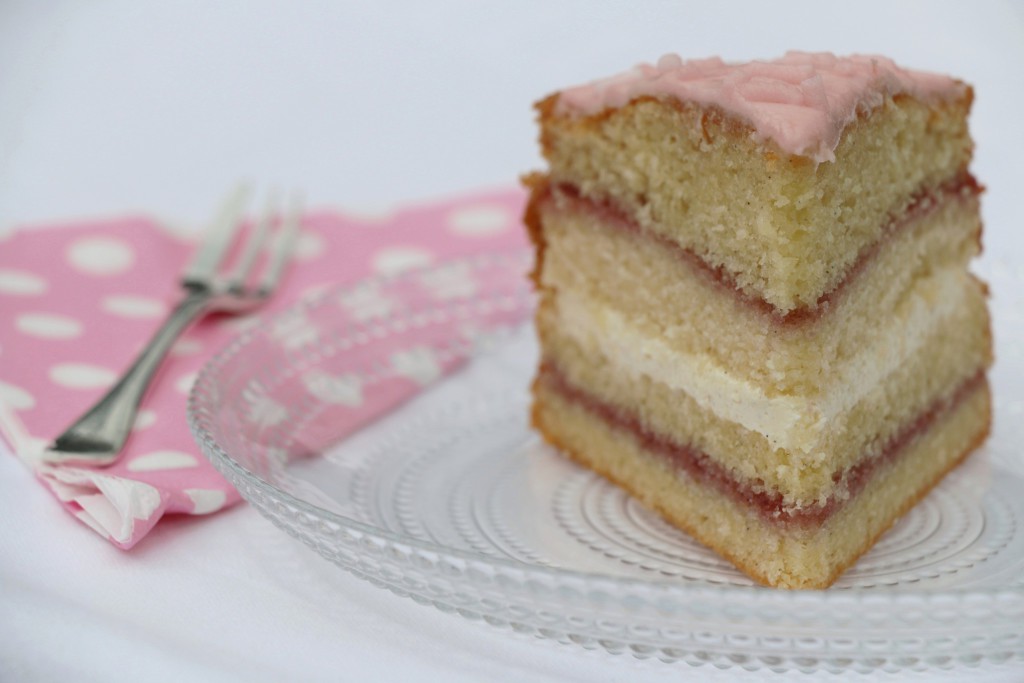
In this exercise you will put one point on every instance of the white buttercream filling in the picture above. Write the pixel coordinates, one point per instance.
(795, 423)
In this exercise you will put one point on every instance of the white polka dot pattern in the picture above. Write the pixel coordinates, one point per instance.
(185, 382)
(205, 501)
(418, 364)
(345, 390)
(48, 325)
(186, 347)
(21, 283)
(293, 331)
(242, 323)
(453, 282)
(144, 420)
(365, 303)
(130, 306)
(309, 246)
(103, 256)
(82, 376)
(162, 460)
(266, 412)
(15, 397)
(395, 260)
(479, 221)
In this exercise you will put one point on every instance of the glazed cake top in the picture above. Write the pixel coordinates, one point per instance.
(801, 102)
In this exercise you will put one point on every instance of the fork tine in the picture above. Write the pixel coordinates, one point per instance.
(210, 253)
(255, 243)
(283, 246)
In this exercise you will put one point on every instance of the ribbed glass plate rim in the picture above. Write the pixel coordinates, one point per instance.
(694, 596)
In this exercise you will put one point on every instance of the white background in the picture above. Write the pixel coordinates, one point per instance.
(113, 107)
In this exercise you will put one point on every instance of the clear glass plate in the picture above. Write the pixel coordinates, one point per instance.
(449, 498)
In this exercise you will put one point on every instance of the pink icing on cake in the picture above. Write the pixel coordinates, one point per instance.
(801, 102)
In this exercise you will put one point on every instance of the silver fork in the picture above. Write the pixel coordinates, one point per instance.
(98, 436)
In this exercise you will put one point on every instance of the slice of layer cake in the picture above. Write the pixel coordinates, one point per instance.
(755, 311)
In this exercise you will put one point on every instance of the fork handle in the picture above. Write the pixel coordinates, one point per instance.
(97, 437)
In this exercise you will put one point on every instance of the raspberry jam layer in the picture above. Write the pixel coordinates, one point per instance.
(962, 186)
(769, 505)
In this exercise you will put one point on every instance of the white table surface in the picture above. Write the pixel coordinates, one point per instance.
(118, 106)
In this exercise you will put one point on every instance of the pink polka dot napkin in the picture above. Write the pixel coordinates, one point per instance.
(78, 301)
